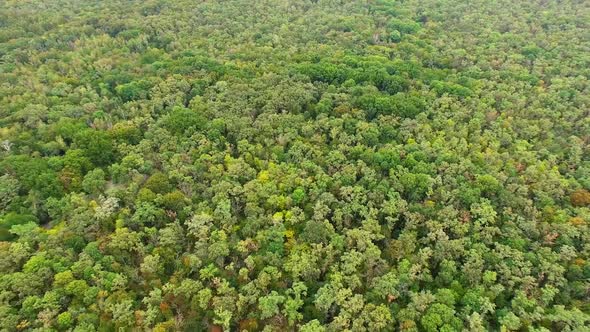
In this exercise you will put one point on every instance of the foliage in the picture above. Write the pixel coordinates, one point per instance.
(294, 165)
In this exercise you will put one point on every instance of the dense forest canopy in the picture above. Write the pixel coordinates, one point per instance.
(294, 165)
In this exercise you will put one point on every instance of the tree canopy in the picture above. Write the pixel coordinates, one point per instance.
(294, 165)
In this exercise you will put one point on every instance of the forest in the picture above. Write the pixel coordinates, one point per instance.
(295, 165)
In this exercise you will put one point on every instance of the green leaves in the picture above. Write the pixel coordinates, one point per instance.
(133, 91)
(294, 166)
(180, 120)
(269, 304)
(97, 146)
(12, 224)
